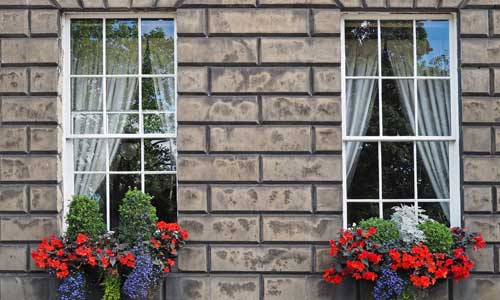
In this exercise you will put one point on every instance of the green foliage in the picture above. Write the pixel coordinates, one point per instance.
(439, 237)
(386, 229)
(137, 216)
(84, 217)
(111, 286)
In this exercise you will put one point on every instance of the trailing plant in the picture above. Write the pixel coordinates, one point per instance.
(407, 219)
(84, 217)
(111, 286)
(438, 236)
(137, 216)
(386, 229)
(143, 279)
(72, 287)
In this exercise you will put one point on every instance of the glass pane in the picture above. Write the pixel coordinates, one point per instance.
(124, 155)
(93, 185)
(362, 107)
(87, 123)
(122, 94)
(119, 184)
(89, 154)
(433, 52)
(157, 46)
(397, 171)
(158, 94)
(122, 46)
(361, 211)
(159, 123)
(439, 211)
(164, 191)
(123, 123)
(434, 107)
(160, 155)
(398, 107)
(397, 47)
(86, 94)
(86, 47)
(433, 170)
(362, 170)
(388, 208)
(361, 48)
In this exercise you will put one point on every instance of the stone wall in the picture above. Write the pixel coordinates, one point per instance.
(259, 142)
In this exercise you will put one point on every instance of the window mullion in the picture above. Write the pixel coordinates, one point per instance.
(141, 116)
(380, 118)
(105, 121)
(415, 111)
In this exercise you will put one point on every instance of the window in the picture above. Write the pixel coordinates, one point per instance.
(400, 133)
(120, 107)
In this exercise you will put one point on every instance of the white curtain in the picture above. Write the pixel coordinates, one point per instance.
(361, 96)
(433, 116)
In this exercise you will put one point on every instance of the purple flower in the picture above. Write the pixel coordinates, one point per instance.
(72, 287)
(143, 278)
(389, 286)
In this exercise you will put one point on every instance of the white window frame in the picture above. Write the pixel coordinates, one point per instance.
(453, 139)
(65, 83)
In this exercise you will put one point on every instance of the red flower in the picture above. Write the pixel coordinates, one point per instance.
(170, 262)
(369, 276)
(184, 235)
(166, 269)
(479, 242)
(105, 262)
(420, 281)
(333, 248)
(155, 242)
(128, 260)
(355, 266)
(81, 238)
(162, 225)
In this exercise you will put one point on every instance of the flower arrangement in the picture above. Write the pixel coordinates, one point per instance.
(74, 257)
(422, 255)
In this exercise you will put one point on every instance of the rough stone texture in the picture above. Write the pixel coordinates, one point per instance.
(45, 198)
(300, 50)
(261, 198)
(479, 168)
(193, 258)
(276, 139)
(192, 80)
(488, 225)
(12, 287)
(218, 109)
(474, 21)
(478, 198)
(209, 228)
(480, 51)
(301, 109)
(482, 259)
(14, 22)
(217, 50)
(217, 168)
(327, 80)
(191, 21)
(13, 139)
(328, 198)
(261, 259)
(263, 80)
(486, 286)
(13, 198)
(28, 168)
(33, 109)
(307, 168)
(310, 287)
(326, 21)
(306, 229)
(13, 80)
(191, 138)
(22, 51)
(229, 287)
(45, 139)
(477, 139)
(44, 80)
(328, 138)
(480, 110)
(44, 22)
(27, 228)
(13, 258)
(475, 80)
(192, 198)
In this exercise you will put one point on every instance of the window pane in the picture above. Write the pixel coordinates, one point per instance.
(362, 107)
(93, 185)
(122, 46)
(124, 155)
(397, 171)
(362, 170)
(89, 154)
(433, 48)
(159, 123)
(119, 184)
(122, 94)
(160, 155)
(361, 211)
(158, 94)
(433, 170)
(397, 47)
(157, 46)
(86, 94)
(123, 123)
(361, 48)
(398, 107)
(86, 47)
(439, 211)
(434, 107)
(164, 191)
(87, 123)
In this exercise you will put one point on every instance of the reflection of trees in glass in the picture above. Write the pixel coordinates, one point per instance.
(86, 47)
(122, 46)
(157, 47)
(432, 61)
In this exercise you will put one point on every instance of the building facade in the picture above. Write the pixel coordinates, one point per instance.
(260, 91)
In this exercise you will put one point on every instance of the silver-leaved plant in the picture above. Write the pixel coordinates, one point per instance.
(407, 219)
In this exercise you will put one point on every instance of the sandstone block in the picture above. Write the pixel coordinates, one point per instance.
(305, 287)
(28, 228)
(34, 109)
(218, 109)
(478, 198)
(191, 138)
(474, 21)
(217, 50)
(477, 169)
(477, 287)
(191, 21)
(483, 259)
(193, 258)
(400, 3)
(475, 80)
(44, 22)
(426, 3)
(13, 80)
(13, 258)
(44, 80)
(261, 259)
(192, 198)
(13, 198)
(488, 225)
(301, 109)
(22, 51)
(44, 139)
(212, 228)
(300, 50)
(45, 198)
(188, 287)
(14, 287)
(328, 138)
(327, 80)
(13, 139)
(481, 109)
(301, 229)
(261, 139)
(302, 168)
(326, 21)
(373, 3)
(235, 287)
(328, 198)
(484, 51)
(258, 80)
(28, 168)
(261, 198)
(218, 168)
(477, 139)
(14, 21)
(192, 80)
